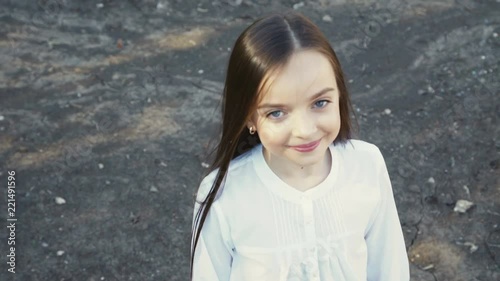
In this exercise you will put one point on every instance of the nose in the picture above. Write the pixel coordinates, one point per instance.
(304, 126)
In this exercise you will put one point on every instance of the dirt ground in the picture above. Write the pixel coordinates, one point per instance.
(107, 108)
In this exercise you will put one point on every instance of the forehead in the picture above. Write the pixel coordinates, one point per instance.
(306, 73)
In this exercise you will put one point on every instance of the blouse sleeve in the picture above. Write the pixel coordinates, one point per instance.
(387, 257)
(213, 255)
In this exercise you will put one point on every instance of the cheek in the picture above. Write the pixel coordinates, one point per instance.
(330, 122)
(273, 133)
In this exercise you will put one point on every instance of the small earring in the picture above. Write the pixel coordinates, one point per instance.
(251, 130)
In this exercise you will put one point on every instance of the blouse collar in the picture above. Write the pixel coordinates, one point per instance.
(282, 189)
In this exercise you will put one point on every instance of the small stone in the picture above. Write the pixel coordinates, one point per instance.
(421, 92)
(431, 180)
(430, 89)
(201, 10)
(298, 5)
(60, 253)
(368, 86)
(483, 57)
(351, 81)
(153, 189)
(149, 100)
(60, 200)
(495, 35)
(430, 266)
(473, 247)
(160, 6)
(101, 166)
(387, 111)
(100, 5)
(2, 118)
(45, 245)
(200, 71)
(134, 218)
(79, 95)
(108, 182)
(205, 165)
(327, 18)
(466, 190)
(462, 206)
(127, 156)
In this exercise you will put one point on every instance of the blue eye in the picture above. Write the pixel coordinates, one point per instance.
(322, 102)
(275, 114)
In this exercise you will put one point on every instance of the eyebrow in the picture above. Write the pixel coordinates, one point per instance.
(318, 94)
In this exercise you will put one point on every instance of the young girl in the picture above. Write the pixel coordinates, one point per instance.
(290, 195)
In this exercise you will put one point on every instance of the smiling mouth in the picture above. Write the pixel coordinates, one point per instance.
(306, 147)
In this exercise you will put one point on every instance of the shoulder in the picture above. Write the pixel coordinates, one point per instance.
(360, 151)
(238, 168)
(359, 146)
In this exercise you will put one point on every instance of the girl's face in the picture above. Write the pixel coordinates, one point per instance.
(300, 107)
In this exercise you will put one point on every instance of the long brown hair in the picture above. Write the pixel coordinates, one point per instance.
(264, 46)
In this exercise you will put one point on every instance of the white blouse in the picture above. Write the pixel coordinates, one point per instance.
(345, 228)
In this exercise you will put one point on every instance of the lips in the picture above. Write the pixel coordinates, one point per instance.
(306, 147)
